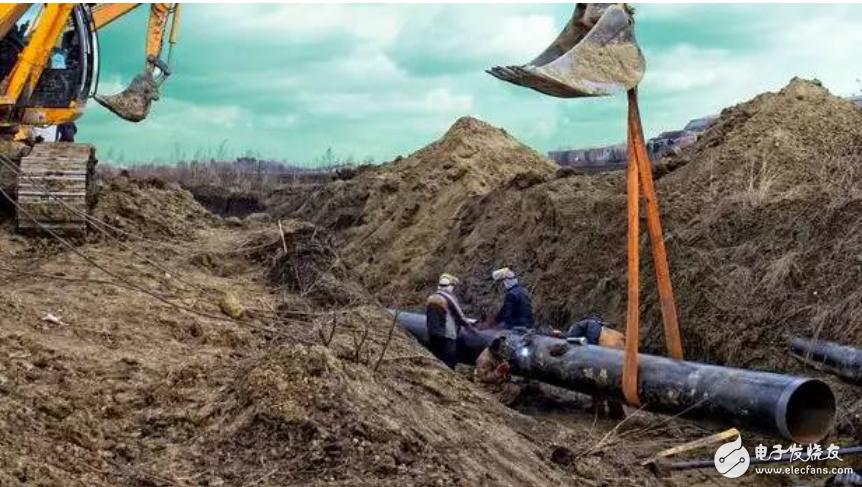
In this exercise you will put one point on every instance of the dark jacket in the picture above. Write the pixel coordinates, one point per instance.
(66, 132)
(443, 315)
(517, 310)
(589, 328)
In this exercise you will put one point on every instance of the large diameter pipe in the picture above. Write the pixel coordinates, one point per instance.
(841, 360)
(797, 408)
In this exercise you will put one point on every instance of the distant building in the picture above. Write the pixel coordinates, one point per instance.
(597, 158)
(612, 157)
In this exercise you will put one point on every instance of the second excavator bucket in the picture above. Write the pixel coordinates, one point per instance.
(595, 55)
(133, 103)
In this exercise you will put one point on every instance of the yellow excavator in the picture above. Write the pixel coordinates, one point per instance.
(49, 66)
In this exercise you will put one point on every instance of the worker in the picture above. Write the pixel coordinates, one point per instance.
(596, 331)
(492, 372)
(517, 309)
(66, 132)
(444, 320)
(491, 366)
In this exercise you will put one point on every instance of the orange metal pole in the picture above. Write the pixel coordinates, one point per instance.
(662, 271)
(630, 365)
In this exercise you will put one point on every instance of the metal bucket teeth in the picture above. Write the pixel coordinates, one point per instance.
(595, 55)
(133, 103)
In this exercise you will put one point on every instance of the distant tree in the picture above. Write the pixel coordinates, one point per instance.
(327, 159)
(222, 151)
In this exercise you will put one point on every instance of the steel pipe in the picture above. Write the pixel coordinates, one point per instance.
(840, 360)
(797, 408)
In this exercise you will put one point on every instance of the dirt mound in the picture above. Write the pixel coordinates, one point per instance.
(315, 417)
(391, 220)
(775, 145)
(149, 208)
(760, 215)
(760, 218)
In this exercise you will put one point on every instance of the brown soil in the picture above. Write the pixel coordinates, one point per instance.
(391, 220)
(149, 208)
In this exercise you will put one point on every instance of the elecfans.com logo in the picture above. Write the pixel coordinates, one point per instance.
(732, 459)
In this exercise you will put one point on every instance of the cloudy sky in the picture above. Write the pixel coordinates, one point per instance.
(290, 81)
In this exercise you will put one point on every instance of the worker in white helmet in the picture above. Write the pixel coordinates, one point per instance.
(517, 309)
(444, 320)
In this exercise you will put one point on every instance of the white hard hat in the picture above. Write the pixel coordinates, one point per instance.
(447, 279)
(504, 273)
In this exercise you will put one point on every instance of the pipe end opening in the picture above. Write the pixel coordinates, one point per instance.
(810, 412)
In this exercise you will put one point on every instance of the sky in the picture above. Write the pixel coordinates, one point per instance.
(288, 82)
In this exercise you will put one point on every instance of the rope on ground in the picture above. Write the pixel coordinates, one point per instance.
(42, 275)
(65, 243)
(97, 224)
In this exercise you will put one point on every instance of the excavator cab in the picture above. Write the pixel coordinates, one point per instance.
(596, 54)
(65, 81)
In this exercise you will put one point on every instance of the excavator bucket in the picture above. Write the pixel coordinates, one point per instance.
(595, 55)
(133, 103)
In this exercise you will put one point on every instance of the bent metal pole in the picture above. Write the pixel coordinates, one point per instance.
(796, 408)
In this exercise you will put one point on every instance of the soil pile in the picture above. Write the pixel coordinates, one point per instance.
(149, 208)
(312, 413)
(392, 220)
(764, 219)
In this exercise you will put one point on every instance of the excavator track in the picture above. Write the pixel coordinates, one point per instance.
(54, 188)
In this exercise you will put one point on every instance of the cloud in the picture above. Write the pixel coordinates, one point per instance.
(289, 81)
(441, 100)
(306, 23)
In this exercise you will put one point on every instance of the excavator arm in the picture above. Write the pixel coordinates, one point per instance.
(32, 34)
(160, 15)
(134, 102)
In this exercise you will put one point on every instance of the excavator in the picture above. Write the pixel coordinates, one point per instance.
(49, 66)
